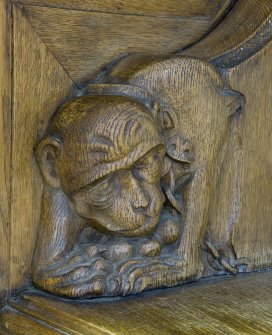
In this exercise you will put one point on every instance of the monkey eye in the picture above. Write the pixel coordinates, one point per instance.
(148, 168)
(166, 120)
(99, 185)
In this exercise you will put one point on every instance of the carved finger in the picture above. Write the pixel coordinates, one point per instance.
(130, 278)
(86, 290)
(158, 279)
(132, 263)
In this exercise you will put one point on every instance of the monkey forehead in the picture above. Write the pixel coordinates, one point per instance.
(84, 169)
(92, 110)
(110, 141)
(111, 131)
(117, 122)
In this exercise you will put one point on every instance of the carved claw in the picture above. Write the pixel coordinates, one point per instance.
(224, 259)
(78, 277)
(71, 286)
(165, 278)
(128, 286)
(136, 275)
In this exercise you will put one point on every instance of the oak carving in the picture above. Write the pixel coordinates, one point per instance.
(132, 173)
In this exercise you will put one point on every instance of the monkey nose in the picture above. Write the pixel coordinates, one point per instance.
(141, 205)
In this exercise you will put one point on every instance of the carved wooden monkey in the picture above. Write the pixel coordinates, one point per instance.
(112, 156)
(198, 135)
(102, 161)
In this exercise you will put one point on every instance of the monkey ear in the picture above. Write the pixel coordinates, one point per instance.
(47, 152)
(237, 101)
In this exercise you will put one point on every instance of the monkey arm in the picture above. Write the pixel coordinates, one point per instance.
(197, 203)
(60, 266)
(226, 205)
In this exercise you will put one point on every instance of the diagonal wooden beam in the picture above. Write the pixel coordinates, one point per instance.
(198, 9)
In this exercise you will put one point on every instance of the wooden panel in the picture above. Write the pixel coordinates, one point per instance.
(184, 8)
(253, 235)
(244, 31)
(233, 305)
(5, 131)
(39, 86)
(84, 42)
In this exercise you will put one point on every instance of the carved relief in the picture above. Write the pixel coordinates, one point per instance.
(132, 167)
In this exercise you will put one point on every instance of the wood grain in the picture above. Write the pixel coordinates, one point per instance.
(233, 305)
(48, 42)
(210, 195)
(253, 235)
(12, 322)
(101, 142)
(205, 9)
(244, 31)
(85, 42)
(5, 143)
(40, 84)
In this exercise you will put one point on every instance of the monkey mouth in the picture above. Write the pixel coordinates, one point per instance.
(144, 230)
(152, 216)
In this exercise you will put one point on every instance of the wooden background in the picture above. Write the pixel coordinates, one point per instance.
(49, 51)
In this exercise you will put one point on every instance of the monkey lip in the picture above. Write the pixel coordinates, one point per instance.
(146, 213)
(152, 216)
(142, 227)
(145, 229)
(150, 223)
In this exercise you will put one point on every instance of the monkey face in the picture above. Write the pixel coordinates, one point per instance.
(106, 155)
(125, 202)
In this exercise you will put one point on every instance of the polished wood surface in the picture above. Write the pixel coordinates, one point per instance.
(252, 241)
(230, 305)
(198, 9)
(50, 50)
(13, 323)
(5, 143)
(48, 85)
(35, 98)
(243, 32)
(134, 174)
(108, 36)
(250, 238)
